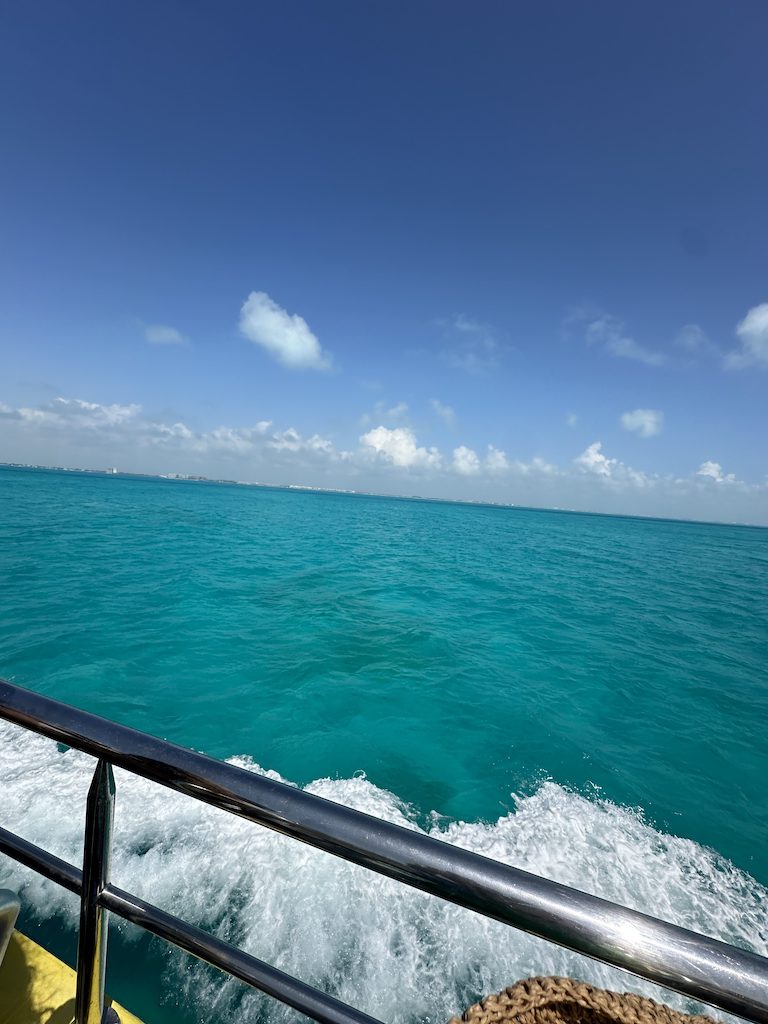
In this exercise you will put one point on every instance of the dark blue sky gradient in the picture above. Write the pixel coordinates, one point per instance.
(379, 168)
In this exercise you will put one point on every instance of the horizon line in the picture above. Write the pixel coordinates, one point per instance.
(178, 478)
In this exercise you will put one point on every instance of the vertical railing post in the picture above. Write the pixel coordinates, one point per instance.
(92, 942)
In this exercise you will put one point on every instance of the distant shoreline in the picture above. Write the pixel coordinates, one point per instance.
(310, 489)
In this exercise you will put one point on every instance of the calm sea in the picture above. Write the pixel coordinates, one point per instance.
(583, 696)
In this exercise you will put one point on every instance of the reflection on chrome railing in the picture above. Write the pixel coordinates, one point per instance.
(695, 965)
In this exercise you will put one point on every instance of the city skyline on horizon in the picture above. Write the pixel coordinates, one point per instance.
(294, 486)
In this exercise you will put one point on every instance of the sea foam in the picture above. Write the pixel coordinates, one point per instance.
(396, 953)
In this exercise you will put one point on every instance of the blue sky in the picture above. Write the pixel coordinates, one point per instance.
(393, 233)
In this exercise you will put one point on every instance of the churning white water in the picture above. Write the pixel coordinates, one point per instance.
(396, 953)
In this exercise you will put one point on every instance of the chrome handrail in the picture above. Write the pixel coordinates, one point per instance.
(704, 968)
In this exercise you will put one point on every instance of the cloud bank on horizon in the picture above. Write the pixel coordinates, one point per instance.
(387, 459)
(388, 455)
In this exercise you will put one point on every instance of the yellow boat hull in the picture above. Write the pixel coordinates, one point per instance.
(37, 988)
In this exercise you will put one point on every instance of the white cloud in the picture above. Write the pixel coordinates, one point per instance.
(108, 414)
(752, 333)
(384, 414)
(161, 334)
(572, 419)
(496, 460)
(592, 460)
(539, 465)
(179, 439)
(472, 345)
(714, 471)
(612, 472)
(398, 446)
(608, 332)
(467, 325)
(291, 440)
(445, 412)
(628, 348)
(176, 431)
(694, 340)
(228, 439)
(465, 461)
(74, 411)
(397, 412)
(643, 422)
(286, 337)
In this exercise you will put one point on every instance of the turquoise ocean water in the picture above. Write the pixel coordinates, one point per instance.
(585, 696)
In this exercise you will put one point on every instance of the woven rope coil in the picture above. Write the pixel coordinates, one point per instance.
(565, 1001)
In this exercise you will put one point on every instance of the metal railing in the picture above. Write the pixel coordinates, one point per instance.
(704, 968)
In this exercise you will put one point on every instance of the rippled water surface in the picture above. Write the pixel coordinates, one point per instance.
(582, 695)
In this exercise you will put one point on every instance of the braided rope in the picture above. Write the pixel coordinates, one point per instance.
(565, 1001)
